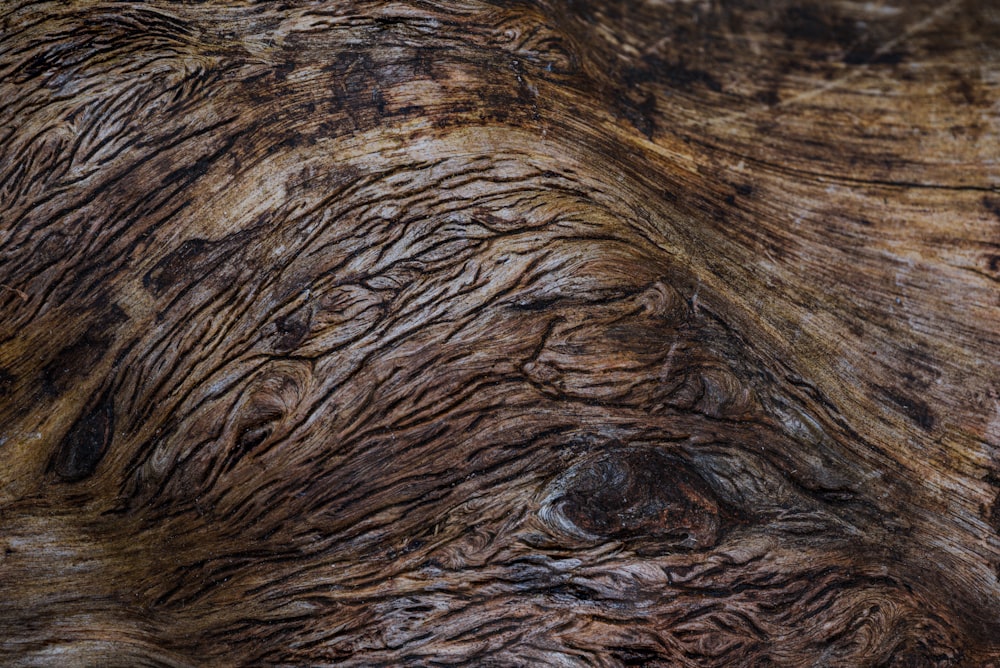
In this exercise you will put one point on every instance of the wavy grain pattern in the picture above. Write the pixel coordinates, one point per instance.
(537, 333)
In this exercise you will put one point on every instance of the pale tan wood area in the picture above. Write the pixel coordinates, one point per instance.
(503, 334)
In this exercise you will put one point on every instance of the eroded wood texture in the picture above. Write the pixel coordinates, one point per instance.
(430, 333)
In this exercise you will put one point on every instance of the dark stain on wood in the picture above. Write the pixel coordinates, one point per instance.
(81, 357)
(7, 380)
(914, 408)
(539, 333)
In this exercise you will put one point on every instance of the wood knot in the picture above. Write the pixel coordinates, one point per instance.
(265, 412)
(637, 494)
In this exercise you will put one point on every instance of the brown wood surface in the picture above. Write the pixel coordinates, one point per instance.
(427, 333)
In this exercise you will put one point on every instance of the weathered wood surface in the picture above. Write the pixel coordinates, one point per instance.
(573, 334)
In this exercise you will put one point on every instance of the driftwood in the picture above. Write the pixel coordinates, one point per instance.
(426, 333)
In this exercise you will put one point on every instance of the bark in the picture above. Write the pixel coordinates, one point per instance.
(538, 333)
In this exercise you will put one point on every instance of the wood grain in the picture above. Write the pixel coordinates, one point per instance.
(499, 333)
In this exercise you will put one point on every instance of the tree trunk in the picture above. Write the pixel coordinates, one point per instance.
(582, 333)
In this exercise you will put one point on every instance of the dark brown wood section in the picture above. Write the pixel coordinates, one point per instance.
(425, 333)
